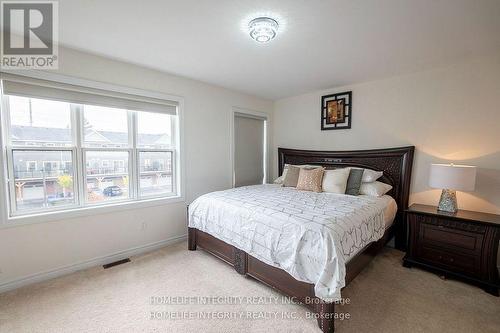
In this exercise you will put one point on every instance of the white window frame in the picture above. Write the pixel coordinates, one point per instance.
(8, 219)
(131, 191)
(147, 150)
(11, 186)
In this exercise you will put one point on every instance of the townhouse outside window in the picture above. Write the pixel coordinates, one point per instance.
(67, 149)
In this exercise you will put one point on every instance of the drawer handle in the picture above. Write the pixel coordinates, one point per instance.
(440, 257)
(452, 260)
(440, 227)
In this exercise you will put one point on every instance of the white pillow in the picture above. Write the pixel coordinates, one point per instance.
(335, 181)
(375, 189)
(281, 179)
(369, 175)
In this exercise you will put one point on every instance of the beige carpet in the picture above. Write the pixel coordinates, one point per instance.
(385, 297)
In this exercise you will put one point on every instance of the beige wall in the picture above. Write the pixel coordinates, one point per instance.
(28, 250)
(450, 114)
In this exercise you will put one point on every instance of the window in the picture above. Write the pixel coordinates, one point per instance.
(105, 127)
(106, 183)
(155, 130)
(49, 166)
(155, 172)
(31, 166)
(46, 187)
(125, 147)
(37, 122)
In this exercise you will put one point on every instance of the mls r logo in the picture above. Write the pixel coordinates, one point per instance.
(28, 28)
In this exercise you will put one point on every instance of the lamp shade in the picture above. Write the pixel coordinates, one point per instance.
(453, 177)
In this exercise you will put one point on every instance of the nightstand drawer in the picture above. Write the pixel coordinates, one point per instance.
(443, 237)
(465, 238)
(450, 224)
(467, 264)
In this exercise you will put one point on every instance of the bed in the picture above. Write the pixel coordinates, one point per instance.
(306, 245)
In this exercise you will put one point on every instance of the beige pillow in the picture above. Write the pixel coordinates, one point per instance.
(376, 188)
(291, 176)
(310, 180)
(335, 181)
(281, 178)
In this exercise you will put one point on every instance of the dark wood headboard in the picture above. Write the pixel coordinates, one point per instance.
(396, 163)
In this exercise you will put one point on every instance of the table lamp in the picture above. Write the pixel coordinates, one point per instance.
(451, 178)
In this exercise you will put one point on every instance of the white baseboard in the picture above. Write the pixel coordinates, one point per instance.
(50, 274)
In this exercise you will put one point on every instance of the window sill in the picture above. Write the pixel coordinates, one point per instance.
(16, 221)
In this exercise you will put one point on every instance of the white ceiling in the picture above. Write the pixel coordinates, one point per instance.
(322, 44)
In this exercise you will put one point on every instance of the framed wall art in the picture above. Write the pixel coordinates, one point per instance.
(336, 111)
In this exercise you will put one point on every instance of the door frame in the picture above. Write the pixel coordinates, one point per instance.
(249, 114)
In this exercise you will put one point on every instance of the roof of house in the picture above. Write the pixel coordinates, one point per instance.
(29, 133)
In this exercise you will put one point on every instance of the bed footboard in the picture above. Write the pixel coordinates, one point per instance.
(274, 277)
(280, 280)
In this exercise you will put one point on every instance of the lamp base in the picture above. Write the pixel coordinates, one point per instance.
(448, 201)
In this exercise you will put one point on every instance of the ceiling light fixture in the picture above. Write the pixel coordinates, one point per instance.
(263, 29)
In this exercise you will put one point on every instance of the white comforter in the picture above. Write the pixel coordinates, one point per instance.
(309, 235)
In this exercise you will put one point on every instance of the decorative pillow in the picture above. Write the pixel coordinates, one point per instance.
(310, 179)
(335, 181)
(285, 170)
(369, 176)
(291, 177)
(280, 180)
(354, 181)
(376, 189)
(310, 166)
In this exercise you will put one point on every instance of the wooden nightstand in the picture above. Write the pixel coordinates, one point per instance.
(462, 245)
